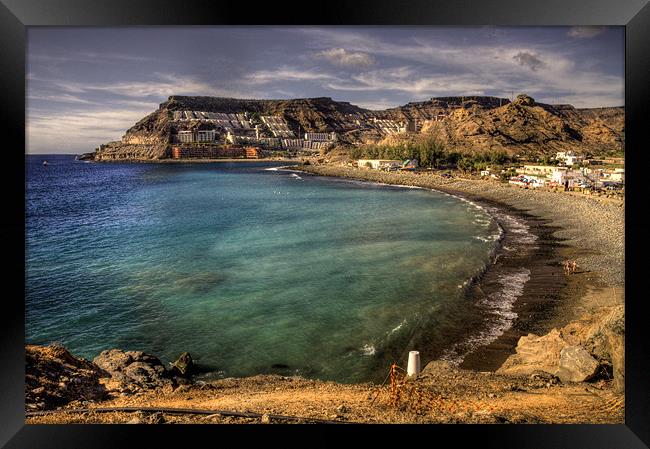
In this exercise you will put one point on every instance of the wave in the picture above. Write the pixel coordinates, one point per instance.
(368, 350)
(398, 327)
(498, 308)
(283, 168)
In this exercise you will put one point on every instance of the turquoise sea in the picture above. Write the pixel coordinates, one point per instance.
(250, 268)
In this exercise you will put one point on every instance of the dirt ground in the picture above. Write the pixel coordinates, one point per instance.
(441, 394)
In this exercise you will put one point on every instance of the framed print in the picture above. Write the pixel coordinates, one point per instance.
(413, 217)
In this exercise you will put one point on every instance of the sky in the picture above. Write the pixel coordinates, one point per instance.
(87, 86)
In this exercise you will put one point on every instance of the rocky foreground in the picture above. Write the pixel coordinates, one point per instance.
(80, 391)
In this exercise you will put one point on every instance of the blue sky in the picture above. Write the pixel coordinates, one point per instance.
(86, 86)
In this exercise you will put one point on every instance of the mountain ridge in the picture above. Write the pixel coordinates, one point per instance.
(464, 123)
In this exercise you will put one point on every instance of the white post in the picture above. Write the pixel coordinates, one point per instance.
(413, 368)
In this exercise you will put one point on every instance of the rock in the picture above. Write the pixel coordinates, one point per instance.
(86, 157)
(342, 409)
(534, 353)
(113, 360)
(437, 366)
(144, 374)
(524, 100)
(156, 418)
(545, 376)
(606, 342)
(133, 367)
(54, 377)
(265, 419)
(542, 379)
(184, 365)
(576, 365)
(182, 389)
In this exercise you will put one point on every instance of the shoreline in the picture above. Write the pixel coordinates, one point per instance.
(549, 299)
(185, 161)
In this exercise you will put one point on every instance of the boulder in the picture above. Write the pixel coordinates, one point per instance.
(606, 342)
(54, 377)
(576, 365)
(535, 353)
(133, 368)
(184, 365)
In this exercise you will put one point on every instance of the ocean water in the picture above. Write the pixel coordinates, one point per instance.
(250, 268)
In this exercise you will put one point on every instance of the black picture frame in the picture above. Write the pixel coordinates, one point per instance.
(16, 15)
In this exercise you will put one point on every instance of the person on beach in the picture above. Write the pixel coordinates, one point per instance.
(570, 266)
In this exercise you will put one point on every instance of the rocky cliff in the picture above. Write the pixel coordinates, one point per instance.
(466, 124)
(531, 129)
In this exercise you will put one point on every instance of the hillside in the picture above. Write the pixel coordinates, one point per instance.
(466, 124)
(528, 128)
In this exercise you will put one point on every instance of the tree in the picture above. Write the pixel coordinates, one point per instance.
(465, 164)
(430, 152)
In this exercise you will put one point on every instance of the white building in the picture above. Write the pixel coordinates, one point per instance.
(185, 136)
(568, 178)
(205, 135)
(618, 175)
(536, 170)
(569, 158)
(321, 137)
(378, 164)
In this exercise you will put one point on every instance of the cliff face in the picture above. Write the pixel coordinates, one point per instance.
(466, 124)
(528, 128)
(147, 139)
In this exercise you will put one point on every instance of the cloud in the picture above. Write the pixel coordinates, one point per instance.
(344, 58)
(160, 87)
(529, 60)
(407, 79)
(447, 68)
(88, 57)
(78, 130)
(62, 98)
(379, 105)
(285, 74)
(163, 85)
(585, 32)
